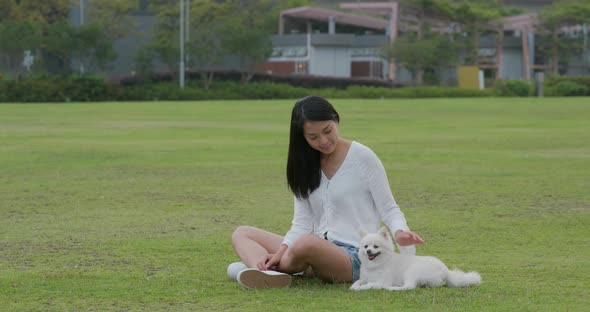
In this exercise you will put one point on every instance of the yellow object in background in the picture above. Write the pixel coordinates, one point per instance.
(469, 77)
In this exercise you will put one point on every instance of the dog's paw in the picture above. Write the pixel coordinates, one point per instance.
(355, 286)
(370, 286)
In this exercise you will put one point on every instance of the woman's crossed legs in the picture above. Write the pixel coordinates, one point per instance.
(326, 260)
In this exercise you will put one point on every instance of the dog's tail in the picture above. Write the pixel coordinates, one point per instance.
(458, 278)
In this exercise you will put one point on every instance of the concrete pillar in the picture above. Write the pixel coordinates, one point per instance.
(539, 82)
(332, 25)
(526, 67)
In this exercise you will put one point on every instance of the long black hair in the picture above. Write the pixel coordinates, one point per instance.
(303, 162)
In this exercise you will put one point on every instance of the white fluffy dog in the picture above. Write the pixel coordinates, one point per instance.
(383, 268)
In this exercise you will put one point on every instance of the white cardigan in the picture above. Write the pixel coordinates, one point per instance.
(357, 198)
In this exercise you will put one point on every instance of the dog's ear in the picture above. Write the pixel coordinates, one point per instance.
(383, 232)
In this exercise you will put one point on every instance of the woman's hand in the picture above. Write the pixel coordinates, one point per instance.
(407, 238)
(269, 262)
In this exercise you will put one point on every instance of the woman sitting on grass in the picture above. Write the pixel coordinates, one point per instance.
(340, 187)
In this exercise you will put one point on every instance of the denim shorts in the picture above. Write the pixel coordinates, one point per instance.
(353, 254)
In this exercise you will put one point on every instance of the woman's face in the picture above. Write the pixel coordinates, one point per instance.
(321, 135)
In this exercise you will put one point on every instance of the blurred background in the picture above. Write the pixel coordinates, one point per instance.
(406, 42)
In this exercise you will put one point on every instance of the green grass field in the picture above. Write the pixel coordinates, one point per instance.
(130, 206)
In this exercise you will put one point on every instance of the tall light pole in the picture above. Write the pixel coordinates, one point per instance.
(181, 42)
(188, 15)
(82, 13)
(187, 28)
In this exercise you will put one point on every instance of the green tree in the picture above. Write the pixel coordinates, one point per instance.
(113, 16)
(6, 9)
(165, 43)
(87, 43)
(92, 46)
(207, 46)
(219, 31)
(425, 13)
(15, 38)
(44, 27)
(475, 17)
(428, 54)
(25, 25)
(418, 50)
(249, 34)
(56, 47)
(556, 16)
(43, 12)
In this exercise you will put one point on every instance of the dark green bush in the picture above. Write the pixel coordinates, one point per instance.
(96, 89)
(513, 88)
(567, 88)
(32, 91)
(58, 89)
(553, 81)
(412, 92)
(90, 88)
(86, 88)
(319, 82)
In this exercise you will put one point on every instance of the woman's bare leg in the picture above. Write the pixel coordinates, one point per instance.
(329, 262)
(251, 244)
(309, 253)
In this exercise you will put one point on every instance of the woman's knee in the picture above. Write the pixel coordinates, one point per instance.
(241, 232)
(305, 245)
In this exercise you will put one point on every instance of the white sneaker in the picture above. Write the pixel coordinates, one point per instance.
(234, 268)
(256, 279)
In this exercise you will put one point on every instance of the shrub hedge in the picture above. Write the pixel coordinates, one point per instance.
(555, 85)
(568, 88)
(316, 82)
(88, 88)
(520, 88)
